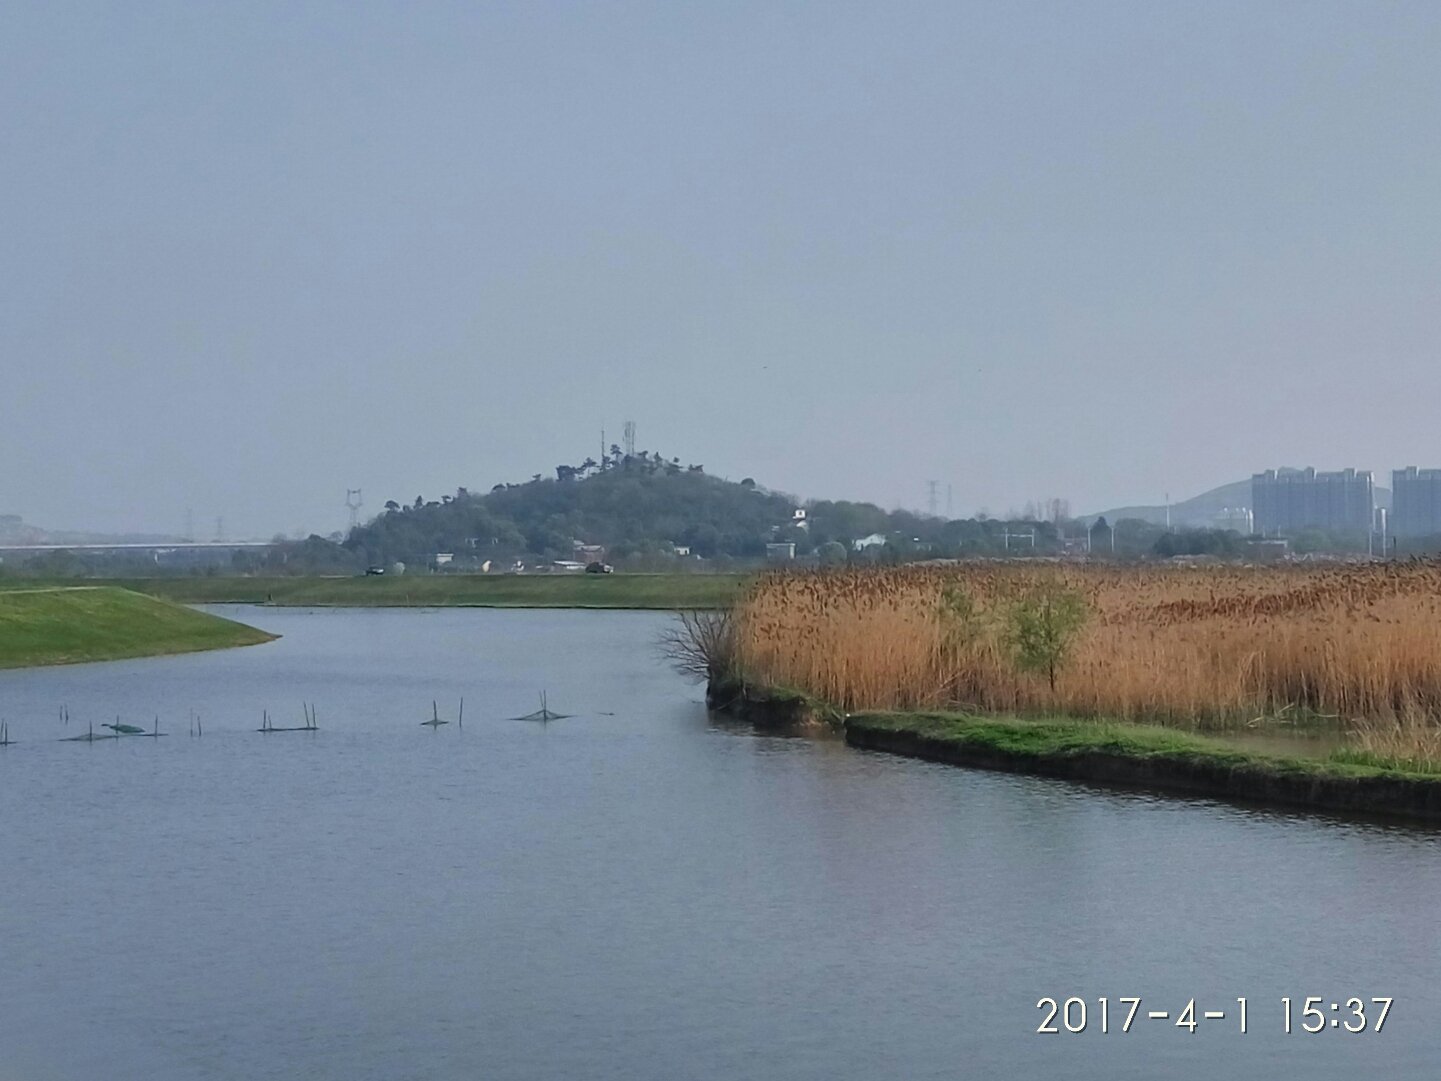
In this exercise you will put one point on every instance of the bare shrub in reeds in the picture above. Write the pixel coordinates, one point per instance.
(702, 644)
(1196, 646)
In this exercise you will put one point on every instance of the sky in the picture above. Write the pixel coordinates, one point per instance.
(253, 255)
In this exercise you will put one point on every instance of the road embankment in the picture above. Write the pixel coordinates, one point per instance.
(642, 591)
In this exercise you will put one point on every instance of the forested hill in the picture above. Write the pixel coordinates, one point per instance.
(638, 509)
(648, 513)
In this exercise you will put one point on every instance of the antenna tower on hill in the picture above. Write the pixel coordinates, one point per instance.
(629, 442)
(354, 502)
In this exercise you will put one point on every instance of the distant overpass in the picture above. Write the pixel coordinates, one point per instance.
(131, 546)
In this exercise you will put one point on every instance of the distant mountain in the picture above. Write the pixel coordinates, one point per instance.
(1201, 510)
(1197, 511)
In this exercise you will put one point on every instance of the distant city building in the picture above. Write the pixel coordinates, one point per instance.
(1289, 500)
(1415, 502)
(1239, 519)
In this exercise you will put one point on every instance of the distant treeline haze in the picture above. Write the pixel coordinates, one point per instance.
(648, 512)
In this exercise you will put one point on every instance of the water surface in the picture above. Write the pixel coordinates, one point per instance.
(640, 891)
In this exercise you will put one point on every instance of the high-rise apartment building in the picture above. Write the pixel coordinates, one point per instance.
(1286, 501)
(1415, 502)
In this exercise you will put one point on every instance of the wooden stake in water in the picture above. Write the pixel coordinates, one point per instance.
(310, 724)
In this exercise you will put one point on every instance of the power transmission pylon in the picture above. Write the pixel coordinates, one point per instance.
(354, 502)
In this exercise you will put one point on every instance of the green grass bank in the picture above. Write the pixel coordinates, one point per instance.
(1147, 757)
(102, 623)
(661, 591)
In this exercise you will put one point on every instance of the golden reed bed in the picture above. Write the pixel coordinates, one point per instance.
(1194, 645)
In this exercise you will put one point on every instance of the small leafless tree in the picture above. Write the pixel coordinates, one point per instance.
(701, 645)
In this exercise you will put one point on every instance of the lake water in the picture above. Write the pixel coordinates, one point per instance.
(640, 891)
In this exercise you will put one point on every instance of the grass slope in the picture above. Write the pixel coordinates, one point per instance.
(663, 591)
(75, 624)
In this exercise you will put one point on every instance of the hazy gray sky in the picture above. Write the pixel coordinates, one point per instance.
(253, 254)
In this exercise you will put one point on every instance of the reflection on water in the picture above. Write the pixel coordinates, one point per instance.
(640, 891)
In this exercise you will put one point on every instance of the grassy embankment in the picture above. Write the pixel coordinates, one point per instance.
(76, 624)
(660, 591)
(1152, 757)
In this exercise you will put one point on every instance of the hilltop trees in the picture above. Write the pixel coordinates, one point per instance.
(640, 505)
(643, 507)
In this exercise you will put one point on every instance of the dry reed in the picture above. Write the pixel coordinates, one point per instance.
(1190, 645)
